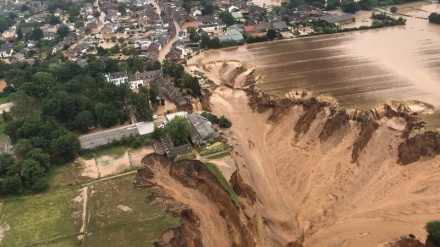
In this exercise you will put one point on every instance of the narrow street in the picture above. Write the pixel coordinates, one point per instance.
(164, 51)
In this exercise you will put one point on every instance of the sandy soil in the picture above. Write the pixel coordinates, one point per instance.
(137, 155)
(226, 166)
(108, 164)
(90, 168)
(308, 189)
(2, 85)
(212, 225)
(6, 107)
(82, 198)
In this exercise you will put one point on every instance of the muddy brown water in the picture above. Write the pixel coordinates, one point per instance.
(360, 69)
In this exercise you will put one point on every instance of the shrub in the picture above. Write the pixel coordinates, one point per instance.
(393, 9)
(433, 229)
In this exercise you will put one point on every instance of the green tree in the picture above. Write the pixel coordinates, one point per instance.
(434, 18)
(62, 31)
(53, 20)
(39, 155)
(271, 34)
(224, 122)
(193, 35)
(32, 171)
(122, 8)
(208, 9)
(433, 229)
(121, 40)
(7, 161)
(107, 115)
(350, 6)
(23, 147)
(393, 9)
(157, 133)
(37, 34)
(178, 130)
(19, 33)
(5, 23)
(65, 148)
(227, 18)
(84, 120)
(12, 15)
(42, 83)
(97, 14)
(11, 184)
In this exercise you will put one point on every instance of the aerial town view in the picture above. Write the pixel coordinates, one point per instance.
(220, 123)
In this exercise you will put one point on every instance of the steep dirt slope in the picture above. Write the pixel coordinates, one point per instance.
(328, 178)
(189, 190)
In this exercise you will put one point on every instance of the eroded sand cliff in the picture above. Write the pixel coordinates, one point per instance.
(308, 172)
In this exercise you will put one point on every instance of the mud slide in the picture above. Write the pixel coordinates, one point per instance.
(309, 173)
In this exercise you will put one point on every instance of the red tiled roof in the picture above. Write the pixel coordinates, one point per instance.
(249, 29)
(190, 24)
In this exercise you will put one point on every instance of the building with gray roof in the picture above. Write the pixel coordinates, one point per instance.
(201, 129)
(338, 19)
(105, 137)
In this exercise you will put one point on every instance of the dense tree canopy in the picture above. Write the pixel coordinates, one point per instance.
(227, 18)
(50, 99)
(178, 130)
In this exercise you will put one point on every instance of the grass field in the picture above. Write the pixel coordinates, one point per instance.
(214, 169)
(117, 214)
(41, 219)
(213, 149)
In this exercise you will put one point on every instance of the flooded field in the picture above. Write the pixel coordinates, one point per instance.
(360, 69)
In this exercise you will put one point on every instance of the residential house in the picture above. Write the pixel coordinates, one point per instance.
(170, 91)
(280, 25)
(201, 129)
(57, 47)
(10, 33)
(49, 36)
(6, 50)
(117, 77)
(262, 27)
(338, 19)
(143, 79)
(231, 37)
(208, 23)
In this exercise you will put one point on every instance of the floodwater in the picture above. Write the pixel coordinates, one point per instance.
(360, 69)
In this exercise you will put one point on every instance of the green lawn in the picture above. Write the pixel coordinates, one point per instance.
(189, 156)
(119, 215)
(62, 176)
(137, 233)
(214, 169)
(218, 155)
(42, 218)
(4, 100)
(115, 152)
(213, 150)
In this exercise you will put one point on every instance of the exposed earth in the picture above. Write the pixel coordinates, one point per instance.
(309, 173)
